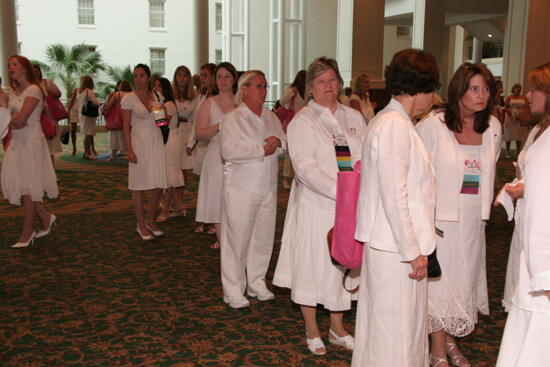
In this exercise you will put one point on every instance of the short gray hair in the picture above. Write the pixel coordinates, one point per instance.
(244, 80)
(319, 66)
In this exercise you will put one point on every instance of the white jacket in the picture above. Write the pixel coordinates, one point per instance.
(311, 148)
(242, 139)
(536, 216)
(395, 210)
(448, 162)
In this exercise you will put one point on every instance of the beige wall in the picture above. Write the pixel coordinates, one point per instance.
(321, 29)
(259, 35)
(537, 50)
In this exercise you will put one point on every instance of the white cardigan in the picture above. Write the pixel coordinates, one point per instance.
(242, 139)
(536, 216)
(395, 210)
(448, 162)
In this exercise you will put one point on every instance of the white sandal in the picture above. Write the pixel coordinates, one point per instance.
(346, 341)
(316, 344)
(438, 361)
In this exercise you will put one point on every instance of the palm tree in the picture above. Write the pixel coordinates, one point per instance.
(68, 64)
(115, 74)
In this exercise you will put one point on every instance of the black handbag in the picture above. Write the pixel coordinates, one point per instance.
(434, 270)
(89, 109)
(64, 137)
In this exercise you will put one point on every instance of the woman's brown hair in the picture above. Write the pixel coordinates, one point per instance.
(186, 92)
(86, 82)
(29, 70)
(459, 85)
(539, 78)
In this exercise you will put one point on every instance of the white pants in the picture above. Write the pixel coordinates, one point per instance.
(247, 235)
(391, 327)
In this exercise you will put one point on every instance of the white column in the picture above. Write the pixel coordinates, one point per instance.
(344, 39)
(8, 36)
(458, 58)
(477, 50)
(200, 48)
(515, 43)
(418, 24)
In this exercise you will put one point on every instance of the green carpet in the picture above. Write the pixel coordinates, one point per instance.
(93, 294)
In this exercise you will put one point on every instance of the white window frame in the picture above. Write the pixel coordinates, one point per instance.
(153, 60)
(163, 13)
(80, 9)
(218, 55)
(228, 35)
(218, 17)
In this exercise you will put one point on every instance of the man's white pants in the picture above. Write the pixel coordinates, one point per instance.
(247, 234)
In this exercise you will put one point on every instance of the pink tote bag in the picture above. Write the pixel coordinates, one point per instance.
(345, 249)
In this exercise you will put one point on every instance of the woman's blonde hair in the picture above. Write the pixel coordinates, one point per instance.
(187, 92)
(539, 78)
(357, 89)
(244, 80)
(319, 66)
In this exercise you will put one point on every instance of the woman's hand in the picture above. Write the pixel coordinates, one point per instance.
(420, 268)
(132, 157)
(516, 192)
(189, 151)
(271, 144)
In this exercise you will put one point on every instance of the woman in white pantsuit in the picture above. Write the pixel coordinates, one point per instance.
(304, 263)
(146, 159)
(525, 341)
(463, 141)
(395, 219)
(251, 139)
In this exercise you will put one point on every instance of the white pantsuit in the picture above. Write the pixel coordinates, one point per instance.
(249, 200)
(525, 341)
(395, 219)
(304, 263)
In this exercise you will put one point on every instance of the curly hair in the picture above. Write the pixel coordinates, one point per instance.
(411, 72)
(458, 86)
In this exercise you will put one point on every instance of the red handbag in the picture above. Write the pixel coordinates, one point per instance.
(286, 114)
(57, 110)
(48, 126)
(113, 117)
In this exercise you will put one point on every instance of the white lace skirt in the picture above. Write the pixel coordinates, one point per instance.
(455, 299)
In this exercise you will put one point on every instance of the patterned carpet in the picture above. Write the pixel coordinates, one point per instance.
(92, 294)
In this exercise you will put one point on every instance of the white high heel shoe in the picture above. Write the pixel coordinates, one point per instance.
(155, 233)
(146, 237)
(45, 232)
(25, 244)
(343, 341)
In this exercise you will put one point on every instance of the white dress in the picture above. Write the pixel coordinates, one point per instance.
(150, 170)
(209, 200)
(525, 341)
(304, 263)
(512, 270)
(186, 111)
(455, 299)
(513, 131)
(54, 144)
(173, 148)
(87, 124)
(27, 168)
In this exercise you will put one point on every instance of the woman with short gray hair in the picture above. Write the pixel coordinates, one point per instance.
(319, 132)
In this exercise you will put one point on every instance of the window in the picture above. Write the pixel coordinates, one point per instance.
(158, 60)
(219, 17)
(403, 32)
(219, 56)
(19, 45)
(86, 12)
(91, 48)
(17, 11)
(156, 14)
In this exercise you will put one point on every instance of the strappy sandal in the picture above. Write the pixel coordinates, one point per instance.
(211, 230)
(437, 362)
(457, 358)
(316, 346)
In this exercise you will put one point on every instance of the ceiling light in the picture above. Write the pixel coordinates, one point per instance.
(490, 35)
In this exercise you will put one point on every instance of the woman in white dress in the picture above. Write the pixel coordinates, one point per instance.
(27, 171)
(187, 103)
(173, 153)
(304, 263)
(463, 140)
(146, 157)
(294, 99)
(395, 220)
(251, 139)
(514, 107)
(525, 341)
(360, 97)
(50, 89)
(210, 115)
(87, 124)
(116, 137)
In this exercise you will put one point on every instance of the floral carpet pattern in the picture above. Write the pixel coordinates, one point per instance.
(93, 294)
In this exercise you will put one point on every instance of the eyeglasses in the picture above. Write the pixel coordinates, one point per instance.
(259, 86)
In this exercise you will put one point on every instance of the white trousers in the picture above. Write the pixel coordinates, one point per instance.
(247, 235)
(391, 325)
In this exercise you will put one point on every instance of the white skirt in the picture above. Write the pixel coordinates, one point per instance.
(116, 140)
(209, 197)
(512, 269)
(456, 298)
(172, 150)
(304, 263)
(27, 170)
(187, 161)
(88, 125)
(54, 144)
